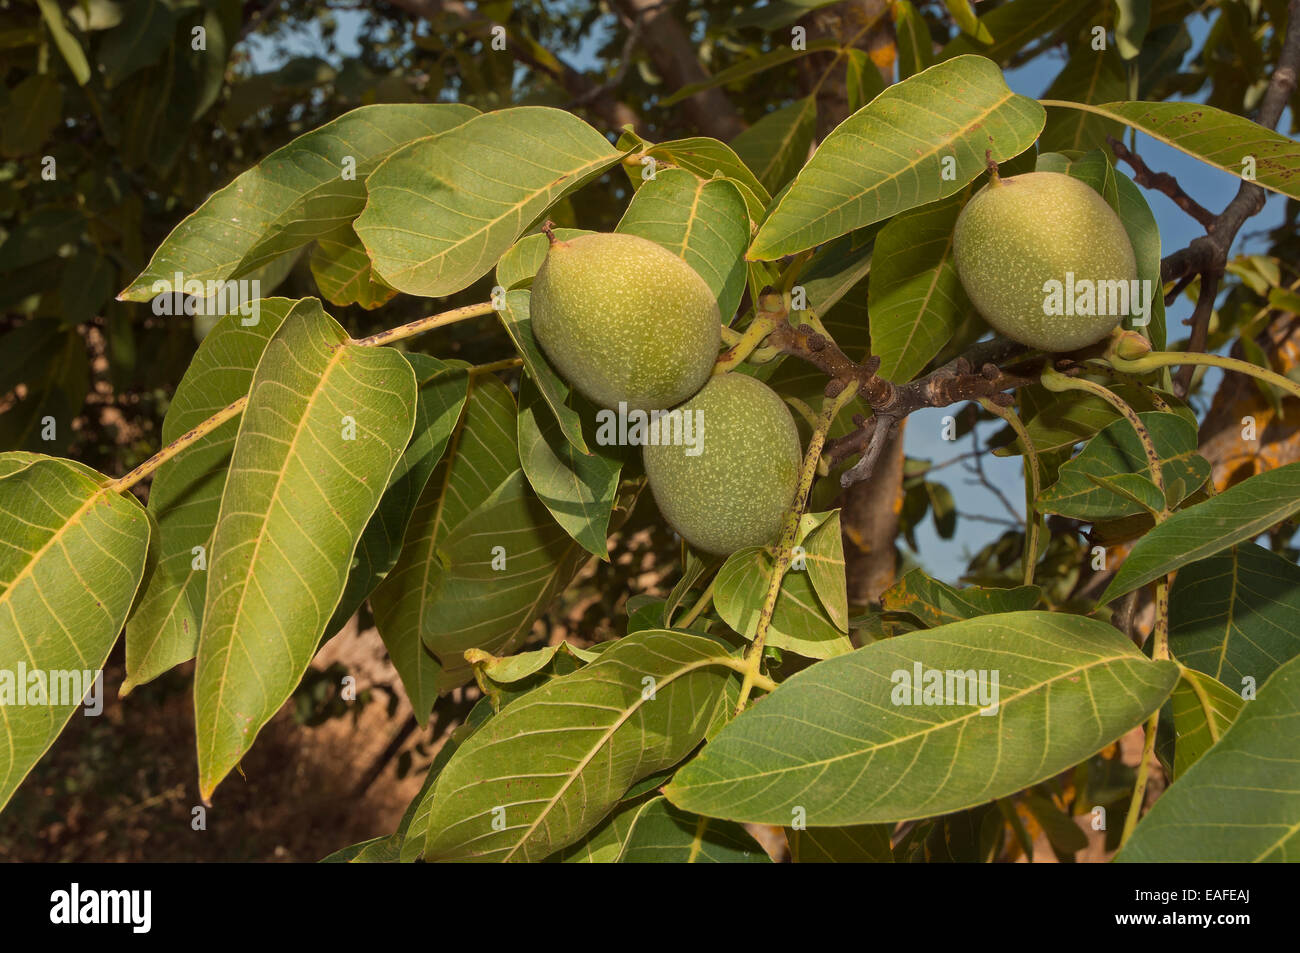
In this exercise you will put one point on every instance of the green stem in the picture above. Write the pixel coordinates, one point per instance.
(1058, 382)
(784, 550)
(1144, 770)
(1055, 381)
(764, 323)
(179, 444)
(421, 325)
(1033, 525)
(1158, 359)
(231, 410)
(700, 605)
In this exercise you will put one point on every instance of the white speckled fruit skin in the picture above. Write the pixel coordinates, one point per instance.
(1032, 228)
(624, 319)
(737, 491)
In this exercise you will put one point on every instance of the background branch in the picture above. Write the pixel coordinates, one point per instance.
(1207, 255)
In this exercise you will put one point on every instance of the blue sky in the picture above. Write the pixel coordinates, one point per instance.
(946, 559)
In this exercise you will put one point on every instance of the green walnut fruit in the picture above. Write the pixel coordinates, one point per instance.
(733, 488)
(1046, 261)
(625, 320)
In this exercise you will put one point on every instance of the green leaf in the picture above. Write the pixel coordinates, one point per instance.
(1233, 615)
(343, 272)
(146, 30)
(34, 108)
(1062, 833)
(481, 455)
(579, 489)
(1131, 26)
(519, 266)
(915, 47)
(72, 553)
(505, 679)
(1089, 76)
(441, 397)
(662, 834)
(915, 299)
(1192, 717)
(69, 48)
(440, 212)
(702, 221)
(776, 146)
(695, 568)
(799, 623)
(705, 157)
(1117, 451)
(1063, 420)
(292, 197)
(1095, 170)
(862, 79)
(185, 496)
(1217, 138)
(552, 764)
(934, 603)
(85, 287)
(414, 827)
(499, 570)
(889, 156)
(1240, 801)
(1238, 514)
(1144, 234)
(554, 389)
(1015, 25)
(831, 742)
(824, 558)
(377, 850)
(748, 67)
(604, 843)
(864, 844)
(325, 426)
(963, 14)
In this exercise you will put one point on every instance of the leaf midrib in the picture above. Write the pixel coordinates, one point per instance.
(336, 356)
(974, 713)
(605, 738)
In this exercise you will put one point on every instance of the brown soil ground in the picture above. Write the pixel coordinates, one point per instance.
(123, 786)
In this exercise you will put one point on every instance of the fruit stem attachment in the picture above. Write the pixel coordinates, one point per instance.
(1033, 523)
(784, 551)
(399, 333)
(769, 316)
(994, 179)
(548, 229)
(1158, 359)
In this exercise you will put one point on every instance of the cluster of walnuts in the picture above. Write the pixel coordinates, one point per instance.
(635, 329)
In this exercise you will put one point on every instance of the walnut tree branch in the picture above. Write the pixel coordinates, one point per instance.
(1207, 255)
(973, 375)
